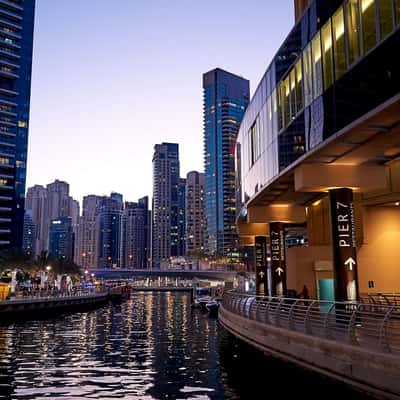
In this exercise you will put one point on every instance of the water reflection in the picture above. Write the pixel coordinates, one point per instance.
(152, 347)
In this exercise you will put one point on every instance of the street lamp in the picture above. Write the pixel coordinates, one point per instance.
(48, 268)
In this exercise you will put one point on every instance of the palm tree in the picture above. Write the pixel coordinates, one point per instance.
(63, 266)
(15, 258)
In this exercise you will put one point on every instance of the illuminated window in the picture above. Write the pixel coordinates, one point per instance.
(368, 24)
(286, 92)
(4, 160)
(3, 181)
(22, 124)
(385, 17)
(281, 106)
(299, 86)
(397, 10)
(353, 30)
(339, 47)
(293, 110)
(307, 68)
(327, 55)
(317, 66)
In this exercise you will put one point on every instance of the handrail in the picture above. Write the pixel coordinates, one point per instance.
(372, 326)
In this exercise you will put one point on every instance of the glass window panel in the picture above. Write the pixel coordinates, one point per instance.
(317, 66)
(281, 106)
(327, 54)
(385, 17)
(353, 30)
(397, 10)
(286, 101)
(307, 64)
(293, 111)
(339, 46)
(299, 86)
(368, 24)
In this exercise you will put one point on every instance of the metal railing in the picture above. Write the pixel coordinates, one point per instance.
(54, 294)
(372, 326)
(390, 299)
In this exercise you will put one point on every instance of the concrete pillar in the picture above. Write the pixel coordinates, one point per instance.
(261, 265)
(344, 244)
(278, 258)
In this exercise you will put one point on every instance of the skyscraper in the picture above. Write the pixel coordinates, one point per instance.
(36, 202)
(108, 231)
(86, 240)
(61, 238)
(225, 100)
(194, 213)
(28, 241)
(47, 204)
(166, 205)
(135, 226)
(17, 21)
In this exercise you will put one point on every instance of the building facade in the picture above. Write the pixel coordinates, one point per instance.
(194, 213)
(135, 234)
(225, 100)
(108, 232)
(86, 240)
(28, 240)
(321, 136)
(16, 20)
(61, 239)
(167, 201)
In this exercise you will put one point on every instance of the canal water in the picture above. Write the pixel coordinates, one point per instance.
(152, 347)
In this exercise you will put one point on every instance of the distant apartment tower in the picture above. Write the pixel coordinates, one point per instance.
(108, 232)
(86, 241)
(167, 202)
(181, 251)
(135, 234)
(194, 214)
(17, 20)
(61, 238)
(226, 97)
(36, 202)
(29, 235)
(47, 204)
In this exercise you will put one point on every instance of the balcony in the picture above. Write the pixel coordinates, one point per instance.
(8, 14)
(7, 92)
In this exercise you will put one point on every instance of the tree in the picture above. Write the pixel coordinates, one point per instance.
(15, 258)
(63, 266)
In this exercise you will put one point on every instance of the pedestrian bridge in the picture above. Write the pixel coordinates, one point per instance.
(357, 343)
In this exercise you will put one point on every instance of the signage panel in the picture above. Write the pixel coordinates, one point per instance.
(261, 265)
(344, 244)
(278, 258)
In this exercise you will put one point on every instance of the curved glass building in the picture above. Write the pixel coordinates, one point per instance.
(326, 116)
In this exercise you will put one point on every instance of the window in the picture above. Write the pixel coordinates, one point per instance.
(281, 107)
(397, 10)
(353, 30)
(299, 86)
(286, 101)
(307, 64)
(368, 24)
(339, 47)
(317, 66)
(327, 56)
(293, 108)
(385, 17)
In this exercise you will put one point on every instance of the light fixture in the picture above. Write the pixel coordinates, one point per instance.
(397, 203)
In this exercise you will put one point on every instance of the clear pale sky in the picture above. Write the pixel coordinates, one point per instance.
(112, 78)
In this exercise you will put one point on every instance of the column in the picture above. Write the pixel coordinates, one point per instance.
(344, 244)
(278, 258)
(261, 265)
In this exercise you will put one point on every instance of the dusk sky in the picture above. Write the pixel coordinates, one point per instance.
(112, 78)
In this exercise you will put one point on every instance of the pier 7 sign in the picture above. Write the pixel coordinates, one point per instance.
(344, 244)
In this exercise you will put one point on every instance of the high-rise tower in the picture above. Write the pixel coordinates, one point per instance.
(225, 100)
(166, 216)
(16, 20)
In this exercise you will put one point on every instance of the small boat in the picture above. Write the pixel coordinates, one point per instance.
(200, 302)
(212, 307)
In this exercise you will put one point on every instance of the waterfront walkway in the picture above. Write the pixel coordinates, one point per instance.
(358, 343)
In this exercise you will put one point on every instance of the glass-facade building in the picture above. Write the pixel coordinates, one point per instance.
(61, 239)
(16, 43)
(225, 100)
(339, 62)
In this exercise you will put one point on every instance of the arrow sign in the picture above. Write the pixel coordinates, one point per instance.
(350, 262)
(279, 270)
(261, 273)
